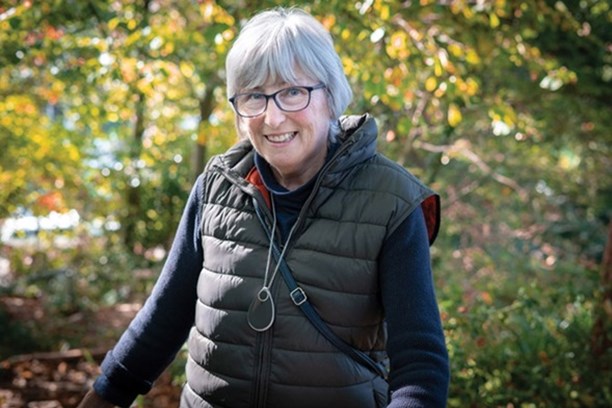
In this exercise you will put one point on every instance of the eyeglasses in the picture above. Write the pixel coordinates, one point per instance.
(292, 99)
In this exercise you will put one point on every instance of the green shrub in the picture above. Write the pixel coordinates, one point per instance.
(16, 338)
(527, 348)
(93, 272)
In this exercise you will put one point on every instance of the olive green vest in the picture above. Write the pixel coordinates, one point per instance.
(358, 200)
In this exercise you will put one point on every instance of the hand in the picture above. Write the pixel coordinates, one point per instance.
(93, 400)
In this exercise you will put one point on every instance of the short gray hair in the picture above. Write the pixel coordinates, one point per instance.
(274, 44)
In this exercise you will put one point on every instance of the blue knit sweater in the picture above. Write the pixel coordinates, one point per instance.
(419, 362)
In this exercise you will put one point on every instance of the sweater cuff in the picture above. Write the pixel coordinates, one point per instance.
(116, 395)
(117, 385)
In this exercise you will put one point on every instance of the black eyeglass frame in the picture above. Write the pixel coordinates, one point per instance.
(273, 97)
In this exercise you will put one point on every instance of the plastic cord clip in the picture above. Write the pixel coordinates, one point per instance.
(298, 296)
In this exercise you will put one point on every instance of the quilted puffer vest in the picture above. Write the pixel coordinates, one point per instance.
(358, 200)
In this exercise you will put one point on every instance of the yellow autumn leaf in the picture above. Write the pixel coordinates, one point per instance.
(397, 46)
(168, 49)
(430, 84)
(206, 11)
(385, 12)
(438, 71)
(509, 118)
(223, 17)
(186, 68)
(74, 154)
(472, 57)
(493, 20)
(349, 65)
(454, 115)
(471, 87)
(113, 23)
(456, 50)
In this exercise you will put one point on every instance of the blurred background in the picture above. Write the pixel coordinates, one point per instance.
(110, 109)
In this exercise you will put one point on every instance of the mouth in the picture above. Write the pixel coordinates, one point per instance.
(281, 138)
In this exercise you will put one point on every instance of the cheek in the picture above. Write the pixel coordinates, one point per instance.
(317, 120)
(321, 117)
(244, 127)
(320, 123)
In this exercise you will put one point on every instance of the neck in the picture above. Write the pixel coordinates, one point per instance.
(292, 182)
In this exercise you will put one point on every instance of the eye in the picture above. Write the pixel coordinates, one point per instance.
(293, 92)
(253, 97)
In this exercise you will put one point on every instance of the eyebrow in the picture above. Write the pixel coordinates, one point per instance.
(260, 89)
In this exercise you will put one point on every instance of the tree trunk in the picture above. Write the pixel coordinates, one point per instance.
(207, 104)
(133, 191)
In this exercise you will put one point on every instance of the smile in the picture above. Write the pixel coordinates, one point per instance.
(282, 138)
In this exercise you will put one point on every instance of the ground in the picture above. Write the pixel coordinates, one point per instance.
(60, 378)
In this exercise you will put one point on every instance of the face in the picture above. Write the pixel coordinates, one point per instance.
(293, 143)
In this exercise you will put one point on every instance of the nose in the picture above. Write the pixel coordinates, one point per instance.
(273, 115)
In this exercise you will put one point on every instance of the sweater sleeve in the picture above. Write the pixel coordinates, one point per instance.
(161, 327)
(419, 375)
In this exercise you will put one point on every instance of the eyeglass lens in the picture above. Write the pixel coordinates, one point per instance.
(289, 99)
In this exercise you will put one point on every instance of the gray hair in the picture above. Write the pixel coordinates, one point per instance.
(275, 44)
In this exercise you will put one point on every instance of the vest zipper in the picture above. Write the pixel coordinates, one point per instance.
(264, 339)
(264, 360)
(263, 368)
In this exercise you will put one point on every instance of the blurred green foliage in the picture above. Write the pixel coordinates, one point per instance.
(16, 338)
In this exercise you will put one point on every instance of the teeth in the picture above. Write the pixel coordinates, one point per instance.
(285, 137)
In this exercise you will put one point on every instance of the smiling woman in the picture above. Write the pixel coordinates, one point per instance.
(300, 270)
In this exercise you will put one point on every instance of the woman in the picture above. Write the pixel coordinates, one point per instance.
(305, 188)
